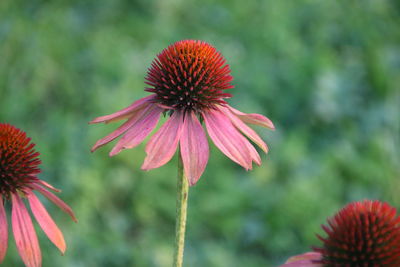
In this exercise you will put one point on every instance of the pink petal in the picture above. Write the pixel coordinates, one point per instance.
(49, 186)
(194, 148)
(227, 138)
(126, 112)
(123, 128)
(253, 118)
(24, 233)
(254, 154)
(3, 230)
(164, 142)
(301, 263)
(139, 130)
(53, 198)
(304, 260)
(250, 133)
(46, 222)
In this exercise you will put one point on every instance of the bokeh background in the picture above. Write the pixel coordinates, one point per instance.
(326, 73)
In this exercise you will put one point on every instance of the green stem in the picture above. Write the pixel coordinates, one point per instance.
(181, 210)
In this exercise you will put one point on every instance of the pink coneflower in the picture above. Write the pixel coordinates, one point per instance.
(188, 82)
(19, 165)
(361, 234)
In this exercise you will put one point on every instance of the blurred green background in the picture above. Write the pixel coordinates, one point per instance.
(325, 72)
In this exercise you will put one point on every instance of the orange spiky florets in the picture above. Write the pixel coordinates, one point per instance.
(362, 234)
(189, 75)
(18, 160)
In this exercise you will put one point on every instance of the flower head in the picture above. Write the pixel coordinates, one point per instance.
(187, 81)
(189, 76)
(19, 165)
(361, 234)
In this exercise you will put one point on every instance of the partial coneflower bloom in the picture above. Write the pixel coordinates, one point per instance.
(188, 82)
(361, 234)
(19, 166)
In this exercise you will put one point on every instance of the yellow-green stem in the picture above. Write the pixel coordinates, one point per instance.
(181, 210)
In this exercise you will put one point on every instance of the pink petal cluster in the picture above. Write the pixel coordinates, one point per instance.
(18, 165)
(22, 226)
(187, 79)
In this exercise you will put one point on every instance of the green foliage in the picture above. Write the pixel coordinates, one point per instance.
(325, 72)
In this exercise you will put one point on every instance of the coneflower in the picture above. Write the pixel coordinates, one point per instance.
(19, 166)
(187, 82)
(361, 234)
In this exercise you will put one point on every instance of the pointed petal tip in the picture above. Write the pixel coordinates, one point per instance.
(95, 147)
(249, 167)
(49, 186)
(114, 152)
(62, 249)
(99, 120)
(145, 167)
(192, 180)
(272, 126)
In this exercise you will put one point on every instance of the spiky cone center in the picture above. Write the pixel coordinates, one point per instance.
(362, 234)
(18, 160)
(189, 75)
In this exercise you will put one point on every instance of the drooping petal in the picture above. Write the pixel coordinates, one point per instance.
(3, 230)
(227, 138)
(53, 198)
(46, 222)
(253, 118)
(120, 130)
(24, 233)
(49, 186)
(139, 130)
(126, 112)
(194, 148)
(304, 260)
(164, 142)
(250, 133)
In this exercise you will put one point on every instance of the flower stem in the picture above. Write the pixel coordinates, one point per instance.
(181, 210)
